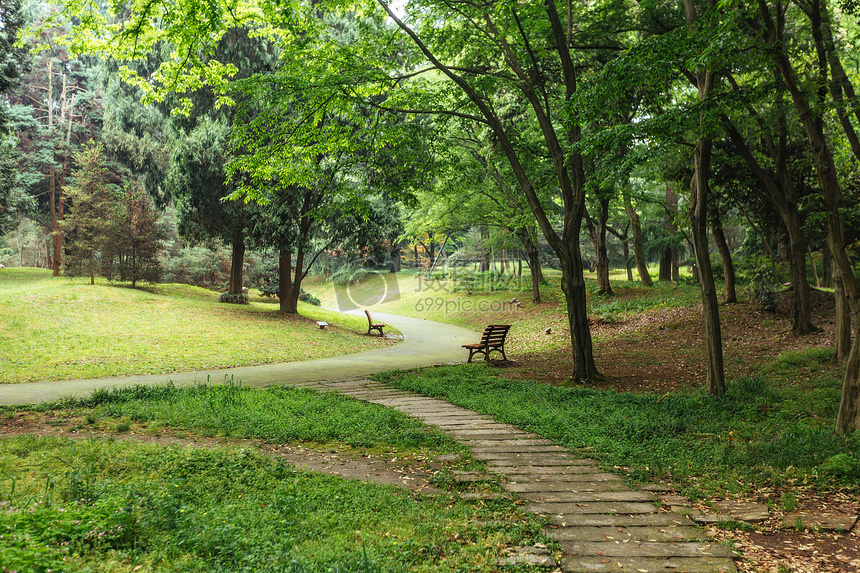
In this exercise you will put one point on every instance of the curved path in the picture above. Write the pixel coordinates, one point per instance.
(425, 343)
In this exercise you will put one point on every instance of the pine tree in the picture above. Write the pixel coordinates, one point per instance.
(139, 236)
(89, 228)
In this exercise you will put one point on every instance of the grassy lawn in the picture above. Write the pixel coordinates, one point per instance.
(59, 329)
(110, 506)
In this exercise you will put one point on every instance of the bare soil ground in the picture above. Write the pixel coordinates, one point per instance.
(664, 349)
(657, 351)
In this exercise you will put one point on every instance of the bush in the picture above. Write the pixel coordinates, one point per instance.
(763, 288)
(273, 289)
(238, 298)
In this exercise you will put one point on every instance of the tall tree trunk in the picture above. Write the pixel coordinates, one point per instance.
(597, 230)
(669, 259)
(826, 267)
(628, 265)
(842, 335)
(797, 247)
(534, 262)
(698, 210)
(638, 246)
(726, 256)
(394, 256)
(237, 262)
(485, 256)
(814, 266)
(285, 282)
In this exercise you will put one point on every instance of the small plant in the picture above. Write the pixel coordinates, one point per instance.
(233, 298)
(763, 288)
(789, 501)
(842, 465)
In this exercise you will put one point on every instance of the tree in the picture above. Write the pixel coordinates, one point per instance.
(138, 238)
(811, 115)
(481, 51)
(90, 226)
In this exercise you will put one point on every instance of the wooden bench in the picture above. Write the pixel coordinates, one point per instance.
(493, 338)
(371, 326)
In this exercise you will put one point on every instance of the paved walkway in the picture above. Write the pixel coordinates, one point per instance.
(601, 523)
(425, 343)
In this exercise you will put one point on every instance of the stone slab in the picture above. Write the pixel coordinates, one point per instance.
(603, 507)
(559, 473)
(483, 496)
(600, 564)
(516, 449)
(478, 442)
(488, 435)
(823, 520)
(581, 534)
(749, 511)
(662, 520)
(564, 486)
(646, 549)
(472, 477)
(586, 497)
(546, 463)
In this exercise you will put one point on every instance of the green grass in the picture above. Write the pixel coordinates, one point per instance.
(95, 506)
(275, 415)
(763, 433)
(59, 328)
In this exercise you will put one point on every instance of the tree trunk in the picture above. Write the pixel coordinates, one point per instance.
(573, 286)
(842, 342)
(638, 246)
(597, 230)
(287, 298)
(698, 211)
(394, 257)
(669, 259)
(534, 262)
(485, 256)
(237, 263)
(710, 302)
(814, 266)
(797, 247)
(628, 266)
(826, 267)
(726, 256)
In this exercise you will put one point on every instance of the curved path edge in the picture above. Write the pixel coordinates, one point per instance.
(425, 343)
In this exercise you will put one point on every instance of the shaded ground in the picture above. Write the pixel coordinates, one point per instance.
(664, 349)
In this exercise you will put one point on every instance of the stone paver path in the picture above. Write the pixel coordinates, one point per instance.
(601, 524)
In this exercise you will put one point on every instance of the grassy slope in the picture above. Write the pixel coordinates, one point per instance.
(57, 329)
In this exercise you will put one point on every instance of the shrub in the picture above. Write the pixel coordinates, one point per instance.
(238, 298)
(763, 288)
